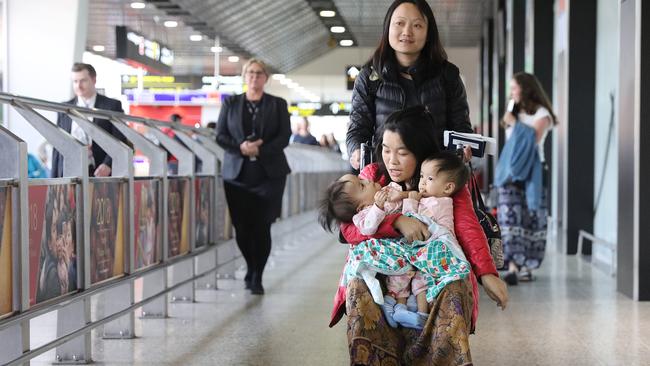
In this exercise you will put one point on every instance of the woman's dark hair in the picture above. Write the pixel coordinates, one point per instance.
(336, 206)
(413, 125)
(532, 95)
(432, 54)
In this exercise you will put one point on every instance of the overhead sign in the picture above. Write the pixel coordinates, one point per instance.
(140, 51)
(351, 73)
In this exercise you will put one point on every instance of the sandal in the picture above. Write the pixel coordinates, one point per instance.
(511, 278)
(526, 276)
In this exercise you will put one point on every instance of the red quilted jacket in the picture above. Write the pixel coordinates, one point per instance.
(468, 231)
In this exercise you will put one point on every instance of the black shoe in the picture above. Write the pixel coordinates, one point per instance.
(511, 278)
(247, 280)
(256, 284)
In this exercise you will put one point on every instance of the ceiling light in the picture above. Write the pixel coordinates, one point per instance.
(292, 85)
(170, 23)
(216, 49)
(138, 5)
(337, 29)
(278, 76)
(98, 48)
(233, 58)
(196, 37)
(346, 42)
(327, 13)
(285, 81)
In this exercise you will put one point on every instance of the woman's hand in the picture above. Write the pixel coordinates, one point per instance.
(354, 159)
(467, 154)
(509, 119)
(250, 148)
(412, 229)
(495, 289)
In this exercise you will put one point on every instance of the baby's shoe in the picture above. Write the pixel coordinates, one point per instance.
(409, 319)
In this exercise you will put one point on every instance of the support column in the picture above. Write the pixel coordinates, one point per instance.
(633, 275)
(579, 142)
(539, 41)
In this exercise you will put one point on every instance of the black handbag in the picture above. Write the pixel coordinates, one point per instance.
(487, 221)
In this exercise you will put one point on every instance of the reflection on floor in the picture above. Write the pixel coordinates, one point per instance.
(571, 315)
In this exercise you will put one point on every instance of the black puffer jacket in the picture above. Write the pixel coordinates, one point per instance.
(441, 91)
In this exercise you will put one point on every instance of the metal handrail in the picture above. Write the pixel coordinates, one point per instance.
(95, 113)
(73, 297)
(92, 325)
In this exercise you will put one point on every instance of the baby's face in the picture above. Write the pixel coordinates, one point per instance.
(360, 191)
(432, 183)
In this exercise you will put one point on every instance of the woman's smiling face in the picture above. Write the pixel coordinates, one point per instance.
(399, 161)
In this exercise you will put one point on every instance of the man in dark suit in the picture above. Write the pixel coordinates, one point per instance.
(84, 78)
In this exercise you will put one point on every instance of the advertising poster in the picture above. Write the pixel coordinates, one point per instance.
(148, 231)
(203, 215)
(178, 207)
(107, 231)
(5, 251)
(52, 242)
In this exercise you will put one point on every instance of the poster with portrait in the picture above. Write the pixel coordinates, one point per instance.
(53, 260)
(107, 231)
(148, 231)
(203, 210)
(5, 251)
(178, 219)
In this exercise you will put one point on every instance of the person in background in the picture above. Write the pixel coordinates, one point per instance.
(302, 135)
(322, 141)
(332, 143)
(521, 211)
(34, 167)
(253, 129)
(84, 78)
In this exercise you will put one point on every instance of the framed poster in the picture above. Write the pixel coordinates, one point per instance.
(107, 230)
(53, 258)
(148, 229)
(178, 219)
(6, 276)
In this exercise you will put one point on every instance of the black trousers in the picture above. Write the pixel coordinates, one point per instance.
(253, 210)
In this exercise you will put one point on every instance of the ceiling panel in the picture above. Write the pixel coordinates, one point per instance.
(286, 34)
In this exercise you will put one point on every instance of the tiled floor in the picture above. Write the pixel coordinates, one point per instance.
(571, 315)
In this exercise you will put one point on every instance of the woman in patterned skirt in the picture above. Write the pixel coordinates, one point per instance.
(521, 204)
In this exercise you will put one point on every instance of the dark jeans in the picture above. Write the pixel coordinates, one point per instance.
(252, 215)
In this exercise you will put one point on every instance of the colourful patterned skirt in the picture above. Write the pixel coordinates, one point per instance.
(523, 231)
(443, 341)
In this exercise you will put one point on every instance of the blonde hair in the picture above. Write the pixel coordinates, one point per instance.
(254, 61)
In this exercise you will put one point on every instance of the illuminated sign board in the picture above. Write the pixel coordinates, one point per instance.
(140, 51)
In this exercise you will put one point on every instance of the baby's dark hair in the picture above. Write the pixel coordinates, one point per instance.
(451, 164)
(336, 206)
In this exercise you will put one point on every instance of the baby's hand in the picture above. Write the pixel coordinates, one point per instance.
(394, 195)
(380, 198)
(415, 195)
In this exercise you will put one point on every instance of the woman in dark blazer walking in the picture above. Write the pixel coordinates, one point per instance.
(254, 128)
